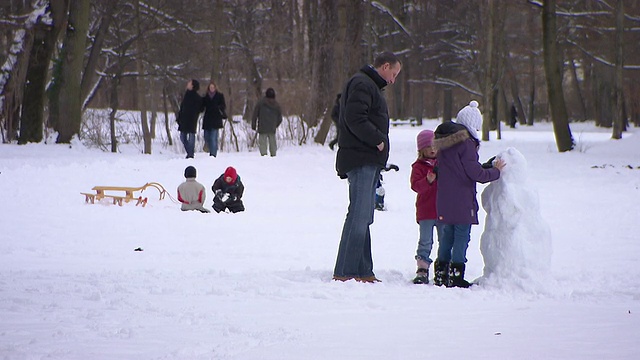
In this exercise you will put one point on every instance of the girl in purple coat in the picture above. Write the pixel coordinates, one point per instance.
(457, 207)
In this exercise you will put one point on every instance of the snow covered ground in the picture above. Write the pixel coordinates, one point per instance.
(257, 285)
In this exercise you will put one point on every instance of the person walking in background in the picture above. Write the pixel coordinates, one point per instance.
(267, 116)
(228, 190)
(424, 183)
(190, 109)
(457, 144)
(191, 193)
(363, 150)
(214, 114)
(513, 120)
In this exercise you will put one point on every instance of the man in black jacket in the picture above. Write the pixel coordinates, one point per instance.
(363, 150)
(190, 110)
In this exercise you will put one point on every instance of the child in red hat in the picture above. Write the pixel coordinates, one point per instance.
(424, 183)
(228, 190)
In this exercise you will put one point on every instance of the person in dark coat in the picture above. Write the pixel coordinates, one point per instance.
(190, 109)
(214, 114)
(228, 190)
(335, 114)
(267, 116)
(513, 120)
(457, 208)
(363, 150)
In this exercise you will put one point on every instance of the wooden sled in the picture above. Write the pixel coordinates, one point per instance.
(119, 198)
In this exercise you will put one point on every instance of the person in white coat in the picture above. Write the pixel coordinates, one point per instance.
(191, 193)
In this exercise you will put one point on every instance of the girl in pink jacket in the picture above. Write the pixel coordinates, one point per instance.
(424, 183)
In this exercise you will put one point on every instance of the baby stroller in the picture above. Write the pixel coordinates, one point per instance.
(380, 190)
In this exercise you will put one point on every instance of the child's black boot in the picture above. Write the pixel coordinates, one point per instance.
(440, 273)
(456, 276)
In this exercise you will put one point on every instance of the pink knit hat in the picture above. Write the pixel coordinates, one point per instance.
(425, 139)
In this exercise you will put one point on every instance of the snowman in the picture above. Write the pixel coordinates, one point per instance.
(516, 242)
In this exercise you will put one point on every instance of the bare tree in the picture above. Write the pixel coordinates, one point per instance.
(13, 72)
(68, 95)
(287, 44)
(323, 63)
(553, 71)
(619, 120)
(140, 80)
(104, 13)
(45, 38)
(489, 70)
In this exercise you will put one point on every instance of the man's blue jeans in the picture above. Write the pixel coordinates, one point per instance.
(189, 142)
(211, 137)
(354, 253)
(454, 243)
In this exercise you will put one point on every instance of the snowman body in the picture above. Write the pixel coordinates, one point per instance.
(516, 241)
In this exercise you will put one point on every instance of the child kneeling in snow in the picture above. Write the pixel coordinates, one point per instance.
(228, 190)
(191, 193)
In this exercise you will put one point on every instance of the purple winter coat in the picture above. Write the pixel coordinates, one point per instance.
(458, 172)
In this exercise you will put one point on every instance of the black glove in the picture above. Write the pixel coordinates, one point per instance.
(489, 163)
(391, 167)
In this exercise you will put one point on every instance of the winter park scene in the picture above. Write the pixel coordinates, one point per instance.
(319, 180)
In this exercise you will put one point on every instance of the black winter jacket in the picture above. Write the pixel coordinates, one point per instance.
(236, 189)
(190, 109)
(363, 122)
(214, 111)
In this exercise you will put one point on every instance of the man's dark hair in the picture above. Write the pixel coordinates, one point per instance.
(271, 94)
(386, 57)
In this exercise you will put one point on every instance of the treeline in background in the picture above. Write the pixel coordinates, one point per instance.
(559, 61)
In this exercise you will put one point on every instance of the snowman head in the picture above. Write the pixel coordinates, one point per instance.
(515, 170)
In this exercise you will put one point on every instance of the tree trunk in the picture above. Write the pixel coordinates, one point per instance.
(487, 93)
(12, 91)
(604, 94)
(167, 127)
(45, 40)
(68, 99)
(447, 111)
(32, 116)
(140, 81)
(322, 99)
(635, 104)
(553, 73)
(619, 119)
(419, 100)
(254, 86)
(532, 90)
(576, 86)
(96, 49)
(114, 83)
(216, 41)
(153, 107)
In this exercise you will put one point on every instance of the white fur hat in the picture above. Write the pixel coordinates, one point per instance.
(471, 117)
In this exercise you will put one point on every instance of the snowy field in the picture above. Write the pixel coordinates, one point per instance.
(257, 285)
